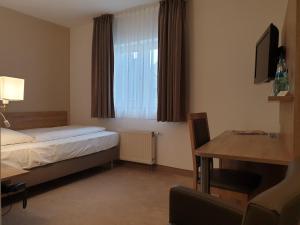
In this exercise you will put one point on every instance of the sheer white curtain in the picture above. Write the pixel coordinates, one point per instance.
(136, 58)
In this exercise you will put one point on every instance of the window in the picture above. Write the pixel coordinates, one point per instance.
(136, 58)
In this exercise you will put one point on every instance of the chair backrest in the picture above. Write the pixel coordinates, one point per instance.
(199, 130)
(279, 205)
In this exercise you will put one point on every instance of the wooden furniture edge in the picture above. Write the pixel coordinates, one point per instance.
(8, 172)
(288, 98)
(245, 159)
(277, 161)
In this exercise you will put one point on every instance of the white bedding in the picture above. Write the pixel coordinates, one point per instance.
(53, 133)
(30, 155)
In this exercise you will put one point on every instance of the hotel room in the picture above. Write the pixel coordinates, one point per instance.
(150, 112)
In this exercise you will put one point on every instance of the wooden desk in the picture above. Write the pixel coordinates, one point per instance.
(8, 172)
(251, 148)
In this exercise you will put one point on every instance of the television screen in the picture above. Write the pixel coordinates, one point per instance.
(266, 55)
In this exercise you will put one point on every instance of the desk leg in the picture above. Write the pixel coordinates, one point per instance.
(205, 175)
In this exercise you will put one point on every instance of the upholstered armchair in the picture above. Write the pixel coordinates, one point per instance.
(279, 205)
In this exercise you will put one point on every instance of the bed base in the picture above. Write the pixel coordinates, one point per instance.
(60, 169)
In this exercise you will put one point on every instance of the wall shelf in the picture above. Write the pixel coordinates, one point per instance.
(288, 98)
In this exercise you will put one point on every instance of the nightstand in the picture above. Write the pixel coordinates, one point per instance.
(8, 173)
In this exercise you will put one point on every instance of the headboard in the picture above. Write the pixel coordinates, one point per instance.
(29, 120)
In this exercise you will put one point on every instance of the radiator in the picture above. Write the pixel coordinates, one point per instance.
(138, 146)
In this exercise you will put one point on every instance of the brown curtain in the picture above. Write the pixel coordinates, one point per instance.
(103, 68)
(171, 68)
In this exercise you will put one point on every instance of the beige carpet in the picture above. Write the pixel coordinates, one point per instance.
(125, 195)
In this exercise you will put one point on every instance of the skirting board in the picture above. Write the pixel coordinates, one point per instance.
(157, 167)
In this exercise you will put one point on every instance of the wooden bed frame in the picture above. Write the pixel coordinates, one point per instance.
(38, 175)
(29, 120)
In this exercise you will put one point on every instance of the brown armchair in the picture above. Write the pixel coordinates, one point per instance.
(279, 205)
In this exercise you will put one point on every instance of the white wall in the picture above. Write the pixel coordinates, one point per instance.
(222, 41)
(37, 51)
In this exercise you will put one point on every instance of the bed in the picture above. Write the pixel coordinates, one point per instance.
(56, 149)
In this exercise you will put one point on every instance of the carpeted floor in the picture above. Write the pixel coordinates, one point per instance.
(125, 195)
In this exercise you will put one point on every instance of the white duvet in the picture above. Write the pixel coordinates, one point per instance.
(53, 133)
(56, 144)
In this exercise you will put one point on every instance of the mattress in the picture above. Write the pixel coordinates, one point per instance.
(31, 155)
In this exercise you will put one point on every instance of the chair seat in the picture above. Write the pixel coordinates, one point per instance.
(234, 180)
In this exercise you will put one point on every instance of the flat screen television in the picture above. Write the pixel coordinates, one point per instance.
(266, 55)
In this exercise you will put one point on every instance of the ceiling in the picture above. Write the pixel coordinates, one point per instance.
(70, 12)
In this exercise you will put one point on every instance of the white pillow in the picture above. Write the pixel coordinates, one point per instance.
(10, 137)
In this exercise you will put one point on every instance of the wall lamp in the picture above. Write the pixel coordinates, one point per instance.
(11, 89)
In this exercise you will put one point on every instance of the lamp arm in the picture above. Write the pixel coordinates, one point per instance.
(5, 121)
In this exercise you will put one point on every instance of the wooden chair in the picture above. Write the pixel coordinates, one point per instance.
(241, 182)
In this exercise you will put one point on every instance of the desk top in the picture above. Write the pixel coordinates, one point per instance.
(8, 172)
(242, 147)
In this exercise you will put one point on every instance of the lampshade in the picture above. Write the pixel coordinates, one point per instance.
(11, 89)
